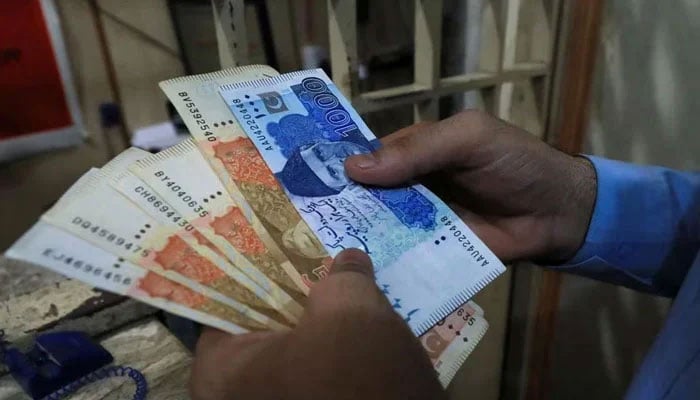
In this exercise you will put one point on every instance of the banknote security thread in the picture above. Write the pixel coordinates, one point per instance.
(427, 261)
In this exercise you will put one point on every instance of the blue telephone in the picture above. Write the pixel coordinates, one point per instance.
(62, 362)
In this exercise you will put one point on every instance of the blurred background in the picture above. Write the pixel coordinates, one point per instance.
(515, 58)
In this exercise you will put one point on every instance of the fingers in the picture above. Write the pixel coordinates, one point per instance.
(349, 286)
(213, 340)
(220, 359)
(410, 153)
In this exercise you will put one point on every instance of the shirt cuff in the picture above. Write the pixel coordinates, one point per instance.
(629, 231)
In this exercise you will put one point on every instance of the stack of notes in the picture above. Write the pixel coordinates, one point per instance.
(232, 227)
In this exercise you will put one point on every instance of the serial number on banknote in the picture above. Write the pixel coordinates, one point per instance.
(163, 208)
(86, 267)
(186, 198)
(461, 312)
(105, 234)
(198, 117)
(462, 238)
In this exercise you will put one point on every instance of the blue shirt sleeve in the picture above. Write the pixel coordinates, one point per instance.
(645, 228)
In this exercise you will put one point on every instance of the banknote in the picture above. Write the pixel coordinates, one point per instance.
(184, 239)
(452, 339)
(243, 172)
(95, 212)
(427, 261)
(184, 179)
(56, 249)
(136, 190)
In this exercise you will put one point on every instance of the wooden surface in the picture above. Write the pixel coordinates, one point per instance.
(37, 300)
(148, 347)
(34, 300)
(585, 21)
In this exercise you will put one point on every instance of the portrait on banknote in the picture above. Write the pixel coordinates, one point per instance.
(318, 169)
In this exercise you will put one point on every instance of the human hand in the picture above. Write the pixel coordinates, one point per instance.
(523, 198)
(349, 344)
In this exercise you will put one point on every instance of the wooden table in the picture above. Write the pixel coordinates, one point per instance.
(34, 300)
(147, 346)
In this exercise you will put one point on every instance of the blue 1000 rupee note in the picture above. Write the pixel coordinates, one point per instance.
(427, 261)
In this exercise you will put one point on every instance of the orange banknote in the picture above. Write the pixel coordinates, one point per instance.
(56, 249)
(450, 342)
(242, 170)
(95, 212)
(183, 178)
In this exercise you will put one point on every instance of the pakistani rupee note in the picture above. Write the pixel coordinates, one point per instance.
(64, 253)
(452, 339)
(427, 261)
(95, 212)
(243, 172)
(186, 246)
(183, 178)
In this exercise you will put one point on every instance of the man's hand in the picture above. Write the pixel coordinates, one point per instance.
(349, 344)
(523, 198)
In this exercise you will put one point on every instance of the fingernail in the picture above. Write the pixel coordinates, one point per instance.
(351, 256)
(352, 260)
(365, 161)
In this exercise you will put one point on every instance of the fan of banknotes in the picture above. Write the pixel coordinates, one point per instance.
(232, 227)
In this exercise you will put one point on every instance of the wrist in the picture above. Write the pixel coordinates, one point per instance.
(572, 217)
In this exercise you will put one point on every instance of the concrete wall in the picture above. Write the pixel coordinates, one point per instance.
(644, 110)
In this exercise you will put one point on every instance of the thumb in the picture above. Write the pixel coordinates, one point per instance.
(349, 285)
(353, 260)
(407, 154)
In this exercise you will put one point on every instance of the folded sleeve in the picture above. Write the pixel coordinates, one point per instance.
(645, 228)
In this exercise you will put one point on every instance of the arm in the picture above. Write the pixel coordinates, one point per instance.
(645, 228)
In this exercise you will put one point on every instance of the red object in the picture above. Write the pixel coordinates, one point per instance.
(32, 96)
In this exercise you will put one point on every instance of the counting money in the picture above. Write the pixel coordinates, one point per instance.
(233, 228)
(427, 261)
